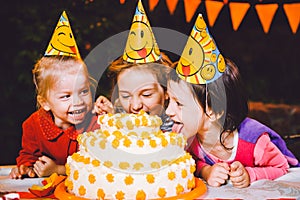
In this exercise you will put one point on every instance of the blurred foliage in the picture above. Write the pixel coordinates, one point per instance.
(269, 63)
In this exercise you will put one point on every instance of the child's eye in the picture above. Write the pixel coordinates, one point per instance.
(65, 96)
(147, 94)
(125, 96)
(86, 91)
(179, 104)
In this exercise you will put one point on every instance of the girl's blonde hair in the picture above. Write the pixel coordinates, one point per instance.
(48, 70)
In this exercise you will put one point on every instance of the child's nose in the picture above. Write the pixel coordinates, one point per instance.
(136, 103)
(169, 110)
(77, 100)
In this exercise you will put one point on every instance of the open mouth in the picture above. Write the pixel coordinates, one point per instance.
(78, 115)
(76, 112)
(186, 69)
(177, 127)
(142, 52)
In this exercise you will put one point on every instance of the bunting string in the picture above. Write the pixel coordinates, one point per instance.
(238, 10)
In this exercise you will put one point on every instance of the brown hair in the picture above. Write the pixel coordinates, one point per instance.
(233, 102)
(48, 69)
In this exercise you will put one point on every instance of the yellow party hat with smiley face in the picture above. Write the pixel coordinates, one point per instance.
(141, 46)
(62, 41)
(201, 61)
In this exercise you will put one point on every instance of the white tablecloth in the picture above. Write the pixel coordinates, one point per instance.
(287, 186)
(16, 185)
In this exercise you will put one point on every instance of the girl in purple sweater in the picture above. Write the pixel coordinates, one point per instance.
(208, 105)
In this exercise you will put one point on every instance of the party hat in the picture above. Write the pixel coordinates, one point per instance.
(62, 41)
(141, 46)
(201, 61)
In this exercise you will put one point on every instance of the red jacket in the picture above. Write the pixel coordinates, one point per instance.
(42, 137)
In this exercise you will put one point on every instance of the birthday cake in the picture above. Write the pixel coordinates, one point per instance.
(130, 158)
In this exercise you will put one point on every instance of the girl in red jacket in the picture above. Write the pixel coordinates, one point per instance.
(64, 99)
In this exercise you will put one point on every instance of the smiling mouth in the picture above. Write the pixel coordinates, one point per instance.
(76, 112)
(186, 69)
(142, 52)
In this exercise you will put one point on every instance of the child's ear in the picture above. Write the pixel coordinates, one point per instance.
(43, 102)
(166, 96)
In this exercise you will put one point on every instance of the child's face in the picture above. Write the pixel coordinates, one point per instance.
(140, 90)
(70, 99)
(184, 110)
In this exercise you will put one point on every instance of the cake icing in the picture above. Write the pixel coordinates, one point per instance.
(130, 158)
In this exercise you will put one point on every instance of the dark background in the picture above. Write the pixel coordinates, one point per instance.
(269, 63)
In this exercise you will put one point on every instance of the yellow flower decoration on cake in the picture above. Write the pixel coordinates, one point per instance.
(100, 194)
(62, 41)
(69, 184)
(141, 195)
(137, 122)
(86, 161)
(140, 143)
(201, 61)
(110, 178)
(124, 165)
(155, 165)
(153, 143)
(141, 46)
(76, 175)
(164, 162)
(115, 143)
(120, 195)
(192, 169)
(150, 178)
(184, 173)
(108, 164)
(117, 134)
(191, 183)
(179, 189)
(128, 180)
(162, 192)
(102, 144)
(137, 166)
(129, 125)
(96, 163)
(171, 175)
(92, 178)
(81, 190)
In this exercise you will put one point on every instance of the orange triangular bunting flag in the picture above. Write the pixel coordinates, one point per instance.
(153, 4)
(122, 1)
(190, 7)
(266, 13)
(237, 13)
(213, 9)
(293, 15)
(171, 4)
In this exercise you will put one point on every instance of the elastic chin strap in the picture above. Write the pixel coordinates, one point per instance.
(206, 96)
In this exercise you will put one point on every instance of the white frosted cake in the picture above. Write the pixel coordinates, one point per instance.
(130, 158)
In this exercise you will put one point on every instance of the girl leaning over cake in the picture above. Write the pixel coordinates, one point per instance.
(139, 76)
(210, 108)
(64, 100)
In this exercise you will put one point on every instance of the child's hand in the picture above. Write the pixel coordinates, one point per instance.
(18, 172)
(239, 175)
(44, 166)
(102, 106)
(217, 174)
